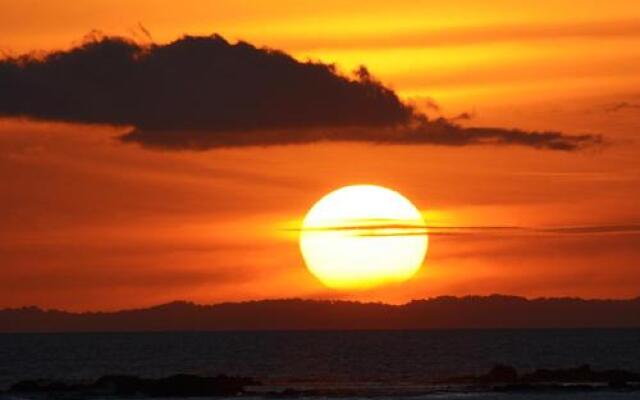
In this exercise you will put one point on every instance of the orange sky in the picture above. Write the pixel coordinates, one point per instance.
(91, 223)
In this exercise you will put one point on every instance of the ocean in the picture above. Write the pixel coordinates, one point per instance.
(367, 363)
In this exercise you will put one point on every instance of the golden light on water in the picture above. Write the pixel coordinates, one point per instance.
(362, 236)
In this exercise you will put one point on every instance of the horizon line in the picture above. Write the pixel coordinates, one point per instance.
(325, 301)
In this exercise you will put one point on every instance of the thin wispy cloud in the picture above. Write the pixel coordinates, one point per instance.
(621, 106)
(382, 228)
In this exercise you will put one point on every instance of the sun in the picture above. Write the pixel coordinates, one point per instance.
(362, 236)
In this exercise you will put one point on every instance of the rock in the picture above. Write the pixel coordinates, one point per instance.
(182, 385)
(583, 373)
(191, 385)
(119, 385)
(32, 386)
(506, 374)
(500, 374)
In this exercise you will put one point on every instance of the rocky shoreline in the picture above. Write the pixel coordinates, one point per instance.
(182, 385)
(501, 378)
(506, 374)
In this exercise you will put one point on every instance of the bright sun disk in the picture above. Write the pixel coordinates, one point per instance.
(362, 236)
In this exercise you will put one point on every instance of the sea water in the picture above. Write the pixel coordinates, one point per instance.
(372, 362)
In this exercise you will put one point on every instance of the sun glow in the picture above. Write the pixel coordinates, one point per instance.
(363, 236)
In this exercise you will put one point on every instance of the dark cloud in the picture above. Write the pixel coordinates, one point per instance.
(419, 131)
(203, 92)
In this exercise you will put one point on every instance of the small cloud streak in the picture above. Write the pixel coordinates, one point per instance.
(204, 92)
(621, 106)
(383, 229)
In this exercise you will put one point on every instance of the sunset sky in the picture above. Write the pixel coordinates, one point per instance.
(92, 220)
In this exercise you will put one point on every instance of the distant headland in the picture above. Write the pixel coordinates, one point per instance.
(446, 312)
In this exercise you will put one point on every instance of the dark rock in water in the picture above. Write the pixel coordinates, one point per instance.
(514, 387)
(42, 385)
(528, 387)
(583, 373)
(124, 385)
(190, 385)
(500, 374)
(119, 385)
(505, 374)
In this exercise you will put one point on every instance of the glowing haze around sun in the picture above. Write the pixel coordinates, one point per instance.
(362, 236)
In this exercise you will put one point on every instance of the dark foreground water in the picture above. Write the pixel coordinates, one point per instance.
(356, 358)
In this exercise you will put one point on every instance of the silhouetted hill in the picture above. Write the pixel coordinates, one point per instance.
(495, 311)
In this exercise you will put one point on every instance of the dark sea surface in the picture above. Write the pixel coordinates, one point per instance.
(355, 358)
